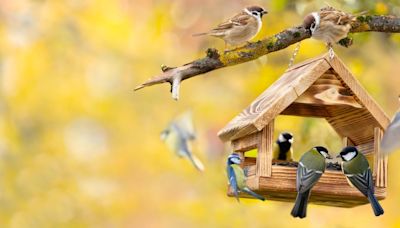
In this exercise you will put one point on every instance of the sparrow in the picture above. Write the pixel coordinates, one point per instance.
(237, 178)
(310, 169)
(390, 140)
(282, 149)
(356, 168)
(177, 136)
(240, 28)
(329, 25)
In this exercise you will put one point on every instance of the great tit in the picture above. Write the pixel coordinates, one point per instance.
(177, 136)
(282, 149)
(390, 141)
(356, 168)
(310, 169)
(237, 178)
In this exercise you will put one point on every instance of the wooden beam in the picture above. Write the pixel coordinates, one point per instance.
(264, 158)
(327, 94)
(306, 110)
(380, 160)
(246, 143)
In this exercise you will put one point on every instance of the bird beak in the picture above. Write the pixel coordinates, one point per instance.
(264, 12)
(338, 156)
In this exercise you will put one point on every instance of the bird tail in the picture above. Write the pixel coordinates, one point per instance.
(196, 162)
(255, 195)
(200, 34)
(378, 210)
(300, 206)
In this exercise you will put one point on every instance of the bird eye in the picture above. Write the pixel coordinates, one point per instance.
(255, 13)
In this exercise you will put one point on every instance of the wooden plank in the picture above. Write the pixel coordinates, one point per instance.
(264, 156)
(323, 81)
(306, 110)
(332, 189)
(357, 124)
(327, 95)
(360, 93)
(367, 148)
(329, 75)
(380, 160)
(246, 143)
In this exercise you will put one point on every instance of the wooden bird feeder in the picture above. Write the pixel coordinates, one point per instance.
(320, 87)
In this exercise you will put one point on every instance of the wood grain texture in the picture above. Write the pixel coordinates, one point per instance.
(380, 160)
(332, 189)
(246, 143)
(359, 92)
(265, 147)
(275, 99)
(306, 110)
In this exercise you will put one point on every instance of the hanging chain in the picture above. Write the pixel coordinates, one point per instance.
(295, 52)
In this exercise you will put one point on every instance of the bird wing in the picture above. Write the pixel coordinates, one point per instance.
(362, 181)
(240, 19)
(390, 140)
(335, 16)
(233, 181)
(306, 178)
(185, 124)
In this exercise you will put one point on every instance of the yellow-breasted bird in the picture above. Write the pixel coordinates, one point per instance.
(310, 169)
(237, 178)
(356, 168)
(282, 149)
(177, 136)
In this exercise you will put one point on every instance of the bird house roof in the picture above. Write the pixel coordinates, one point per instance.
(319, 87)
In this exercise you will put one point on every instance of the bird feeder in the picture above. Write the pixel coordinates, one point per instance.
(324, 88)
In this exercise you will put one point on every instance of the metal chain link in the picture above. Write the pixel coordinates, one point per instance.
(295, 52)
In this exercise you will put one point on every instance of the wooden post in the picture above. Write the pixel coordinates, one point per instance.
(380, 160)
(264, 157)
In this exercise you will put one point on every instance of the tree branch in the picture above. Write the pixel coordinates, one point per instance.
(213, 60)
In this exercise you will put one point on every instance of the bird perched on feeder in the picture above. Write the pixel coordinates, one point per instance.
(237, 178)
(329, 25)
(177, 136)
(390, 141)
(310, 169)
(283, 147)
(240, 28)
(356, 168)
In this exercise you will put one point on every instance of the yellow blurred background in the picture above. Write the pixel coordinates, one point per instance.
(79, 148)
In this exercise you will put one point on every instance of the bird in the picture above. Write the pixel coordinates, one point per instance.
(310, 169)
(282, 149)
(356, 169)
(240, 28)
(237, 177)
(390, 140)
(329, 25)
(177, 136)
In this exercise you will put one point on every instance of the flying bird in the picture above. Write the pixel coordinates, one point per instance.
(310, 169)
(390, 141)
(177, 136)
(237, 178)
(240, 28)
(329, 25)
(356, 168)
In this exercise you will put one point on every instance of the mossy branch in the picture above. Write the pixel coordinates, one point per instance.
(213, 60)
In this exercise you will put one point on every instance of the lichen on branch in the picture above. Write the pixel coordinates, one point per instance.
(253, 50)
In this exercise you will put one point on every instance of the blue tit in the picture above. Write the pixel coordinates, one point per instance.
(282, 149)
(310, 169)
(177, 136)
(237, 178)
(356, 168)
(390, 141)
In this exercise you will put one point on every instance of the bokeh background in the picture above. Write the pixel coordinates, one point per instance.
(79, 148)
